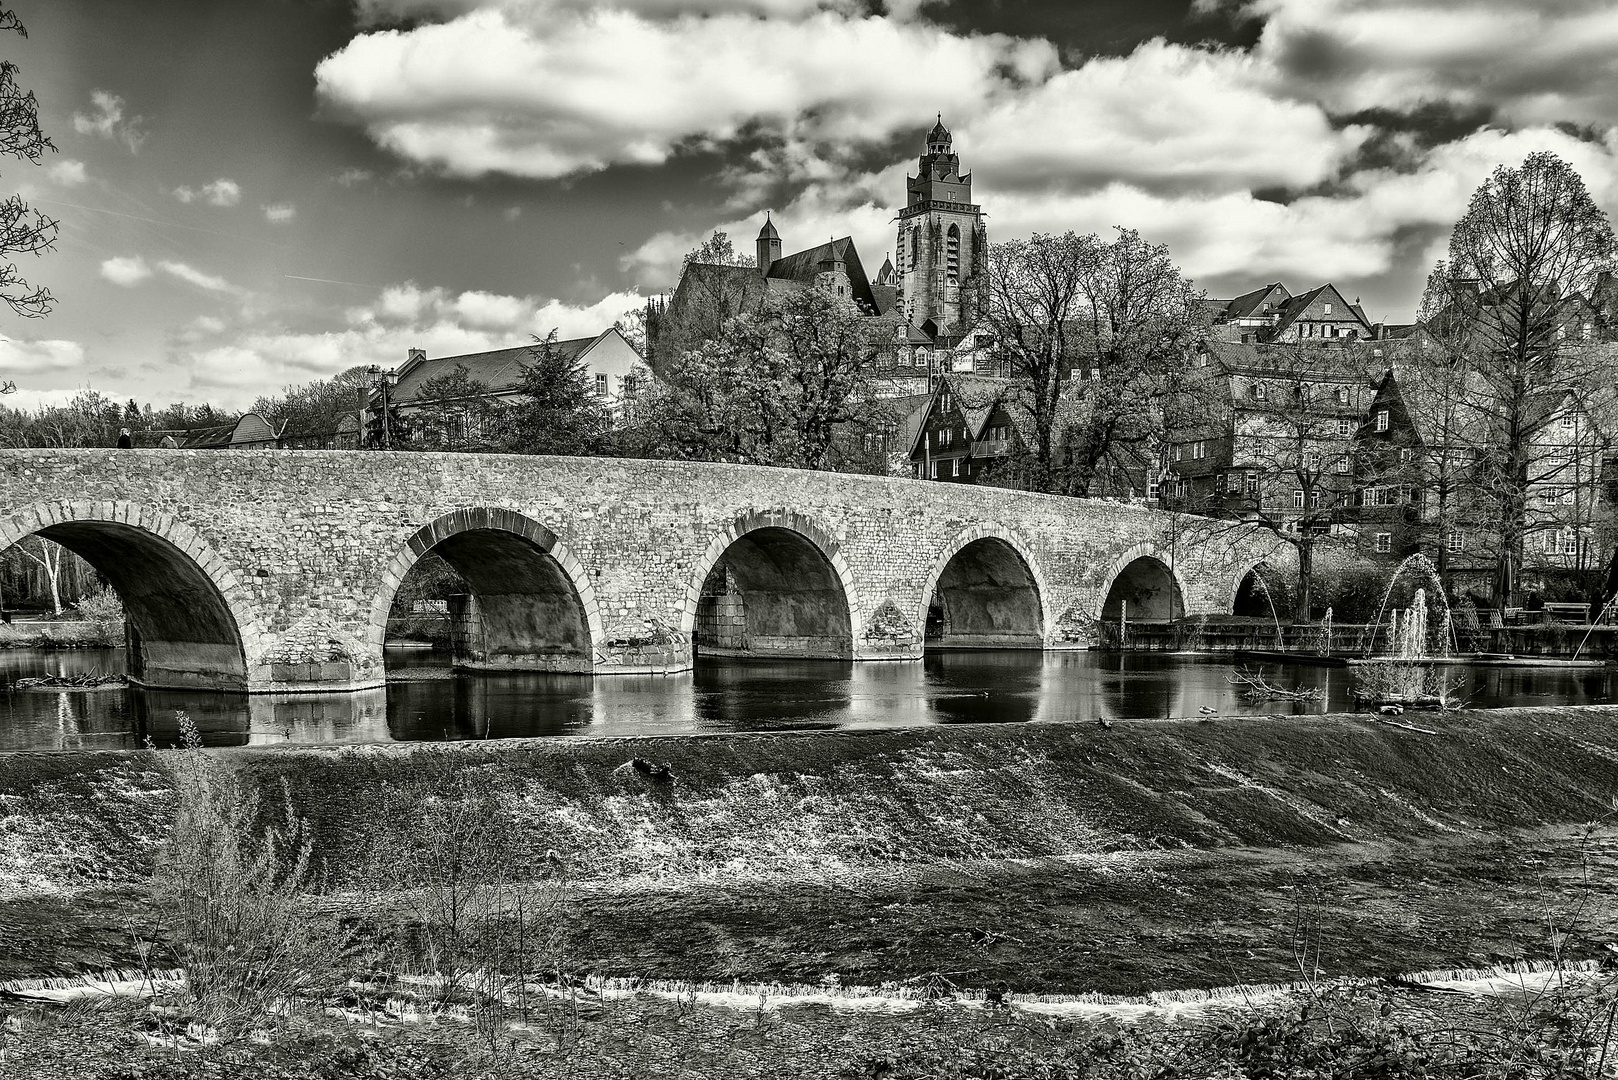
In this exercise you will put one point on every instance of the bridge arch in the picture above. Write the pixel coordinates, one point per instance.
(191, 616)
(803, 600)
(1146, 578)
(998, 588)
(531, 606)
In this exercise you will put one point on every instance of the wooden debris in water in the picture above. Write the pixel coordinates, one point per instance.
(1256, 688)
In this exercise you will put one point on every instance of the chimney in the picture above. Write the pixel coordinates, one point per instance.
(415, 355)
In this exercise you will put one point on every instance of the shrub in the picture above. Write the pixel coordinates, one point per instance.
(104, 611)
(228, 884)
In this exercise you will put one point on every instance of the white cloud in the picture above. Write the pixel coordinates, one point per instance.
(192, 276)
(126, 270)
(106, 120)
(220, 192)
(234, 367)
(280, 213)
(1535, 63)
(33, 357)
(68, 173)
(578, 91)
(29, 399)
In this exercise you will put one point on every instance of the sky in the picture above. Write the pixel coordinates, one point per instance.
(261, 193)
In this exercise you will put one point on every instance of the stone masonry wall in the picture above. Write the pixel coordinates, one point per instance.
(307, 547)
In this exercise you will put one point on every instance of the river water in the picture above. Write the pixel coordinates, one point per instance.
(424, 701)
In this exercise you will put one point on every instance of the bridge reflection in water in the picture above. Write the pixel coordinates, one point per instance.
(720, 695)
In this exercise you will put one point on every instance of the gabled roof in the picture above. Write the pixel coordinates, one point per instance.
(250, 430)
(803, 267)
(1244, 305)
(498, 369)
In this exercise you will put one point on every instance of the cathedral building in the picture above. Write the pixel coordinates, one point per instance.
(941, 242)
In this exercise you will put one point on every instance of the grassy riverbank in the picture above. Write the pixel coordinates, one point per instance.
(825, 805)
(1152, 855)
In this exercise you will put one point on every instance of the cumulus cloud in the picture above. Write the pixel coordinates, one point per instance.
(232, 366)
(498, 90)
(220, 192)
(126, 270)
(106, 119)
(280, 213)
(36, 357)
(67, 173)
(1530, 63)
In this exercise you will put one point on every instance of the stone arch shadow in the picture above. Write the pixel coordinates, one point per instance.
(190, 616)
(532, 606)
(1174, 604)
(1027, 616)
(779, 535)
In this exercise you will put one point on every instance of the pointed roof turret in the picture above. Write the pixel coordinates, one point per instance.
(768, 231)
(939, 133)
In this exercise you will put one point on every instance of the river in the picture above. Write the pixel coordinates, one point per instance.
(425, 701)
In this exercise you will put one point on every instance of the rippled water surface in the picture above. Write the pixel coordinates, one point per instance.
(428, 703)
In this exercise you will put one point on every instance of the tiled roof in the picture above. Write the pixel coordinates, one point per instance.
(1244, 305)
(499, 369)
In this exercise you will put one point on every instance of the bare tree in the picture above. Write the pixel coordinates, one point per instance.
(23, 230)
(49, 558)
(1099, 338)
(1291, 414)
(1531, 239)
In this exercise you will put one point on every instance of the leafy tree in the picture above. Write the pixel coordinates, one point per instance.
(781, 386)
(23, 230)
(1531, 239)
(558, 410)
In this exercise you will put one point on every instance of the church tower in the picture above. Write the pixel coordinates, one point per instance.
(941, 242)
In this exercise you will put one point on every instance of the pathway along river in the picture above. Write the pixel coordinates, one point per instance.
(426, 702)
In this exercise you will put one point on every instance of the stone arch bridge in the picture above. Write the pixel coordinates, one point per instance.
(276, 570)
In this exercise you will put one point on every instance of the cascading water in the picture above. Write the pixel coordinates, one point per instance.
(1263, 586)
(1446, 625)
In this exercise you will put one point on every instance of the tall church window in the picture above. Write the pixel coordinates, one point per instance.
(952, 254)
(915, 246)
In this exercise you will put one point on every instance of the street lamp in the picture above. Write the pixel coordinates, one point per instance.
(382, 381)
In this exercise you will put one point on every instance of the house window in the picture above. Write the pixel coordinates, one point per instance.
(601, 385)
(1455, 540)
(1552, 541)
(935, 470)
(1328, 309)
(1384, 543)
(1154, 488)
(1382, 419)
(1342, 395)
(1199, 450)
(1345, 428)
(1404, 455)
(1252, 483)
(1568, 423)
(945, 435)
(1297, 498)
(1570, 542)
(630, 385)
(1260, 393)
(955, 466)
(1314, 499)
